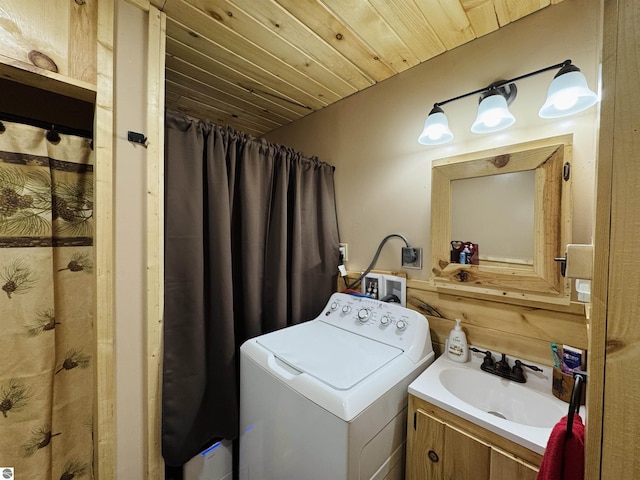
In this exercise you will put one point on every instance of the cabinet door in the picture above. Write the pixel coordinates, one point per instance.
(507, 467)
(425, 442)
(466, 457)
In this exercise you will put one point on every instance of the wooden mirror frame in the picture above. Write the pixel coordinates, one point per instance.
(551, 160)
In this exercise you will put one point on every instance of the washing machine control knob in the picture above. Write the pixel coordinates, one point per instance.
(363, 315)
(385, 321)
(346, 309)
(401, 325)
(334, 306)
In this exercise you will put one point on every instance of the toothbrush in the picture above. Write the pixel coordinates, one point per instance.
(556, 356)
(558, 361)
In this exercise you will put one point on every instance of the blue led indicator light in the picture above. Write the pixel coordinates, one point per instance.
(211, 448)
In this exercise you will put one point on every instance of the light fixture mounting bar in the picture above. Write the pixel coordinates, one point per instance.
(503, 82)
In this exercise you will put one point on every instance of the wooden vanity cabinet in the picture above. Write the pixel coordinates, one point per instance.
(442, 446)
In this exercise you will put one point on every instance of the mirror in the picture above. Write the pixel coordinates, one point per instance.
(514, 203)
(503, 228)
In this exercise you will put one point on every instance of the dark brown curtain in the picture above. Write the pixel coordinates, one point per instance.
(251, 246)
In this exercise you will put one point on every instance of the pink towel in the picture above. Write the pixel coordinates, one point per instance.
(564, 456)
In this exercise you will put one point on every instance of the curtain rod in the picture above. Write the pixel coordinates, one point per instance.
(78, 132)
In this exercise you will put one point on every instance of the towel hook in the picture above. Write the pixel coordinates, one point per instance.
(576, 399)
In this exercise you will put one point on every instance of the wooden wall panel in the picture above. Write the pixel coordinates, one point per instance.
(36, 26)
(104, 420)
(522, 330)
(155, 240)
(83, 24)
(616, 304)
(57, 36)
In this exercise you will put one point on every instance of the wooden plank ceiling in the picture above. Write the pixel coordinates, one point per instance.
(257, 65)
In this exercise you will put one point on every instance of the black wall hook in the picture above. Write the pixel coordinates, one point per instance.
(136, 137)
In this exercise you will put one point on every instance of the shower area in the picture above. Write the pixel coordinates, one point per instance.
(47, 302)
(56, 356)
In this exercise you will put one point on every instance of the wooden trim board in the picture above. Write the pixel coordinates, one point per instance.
(105, 415)
(155, 239)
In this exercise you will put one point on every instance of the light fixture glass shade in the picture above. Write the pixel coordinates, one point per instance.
(568, 94)
(436, 129)
(493, 115)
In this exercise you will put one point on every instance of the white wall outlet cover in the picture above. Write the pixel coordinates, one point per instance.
(344, 249)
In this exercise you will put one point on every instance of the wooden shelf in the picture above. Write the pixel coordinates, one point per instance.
(27, 74)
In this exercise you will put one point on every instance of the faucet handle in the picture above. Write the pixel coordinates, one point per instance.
(519, 364)
(488, 357)
(518, 372)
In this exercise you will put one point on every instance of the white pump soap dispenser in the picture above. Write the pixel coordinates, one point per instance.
(457, 349)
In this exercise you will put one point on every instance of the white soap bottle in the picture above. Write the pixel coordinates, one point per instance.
(457, 349)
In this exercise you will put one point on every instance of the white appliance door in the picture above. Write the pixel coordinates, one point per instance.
(330, 354)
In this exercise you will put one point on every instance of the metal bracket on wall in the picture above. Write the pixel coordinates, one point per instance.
(136, 137)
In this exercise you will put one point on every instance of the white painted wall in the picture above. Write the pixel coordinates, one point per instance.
(383, 176)
(130, 163)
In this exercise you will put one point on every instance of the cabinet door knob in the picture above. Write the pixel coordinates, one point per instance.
(433, 456)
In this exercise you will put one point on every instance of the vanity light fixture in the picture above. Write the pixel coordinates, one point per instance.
(493, 111)
(436, 128)
(567, 94)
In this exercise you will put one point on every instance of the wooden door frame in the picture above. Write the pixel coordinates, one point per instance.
(155, 240)
(613, 326)
(105, 439)
(104, 424)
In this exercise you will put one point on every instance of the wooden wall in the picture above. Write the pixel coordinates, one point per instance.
(51, 45)
(613, 450)
(523, 330)
(104, 422)
(56, 35)
(155, 240)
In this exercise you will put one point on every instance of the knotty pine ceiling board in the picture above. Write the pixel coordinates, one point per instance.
(257, 65)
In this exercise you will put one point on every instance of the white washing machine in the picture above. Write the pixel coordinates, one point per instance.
(327, 399)
(213, 463)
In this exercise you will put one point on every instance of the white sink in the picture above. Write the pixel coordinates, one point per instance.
(502, 398)
(522, 412)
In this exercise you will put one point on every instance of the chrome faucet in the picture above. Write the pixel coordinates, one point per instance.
(502, 367)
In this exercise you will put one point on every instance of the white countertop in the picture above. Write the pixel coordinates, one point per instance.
(429, 387)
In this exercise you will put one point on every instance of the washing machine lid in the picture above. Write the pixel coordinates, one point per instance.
(334, 356)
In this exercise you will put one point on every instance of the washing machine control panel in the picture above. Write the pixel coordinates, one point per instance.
(389, 323)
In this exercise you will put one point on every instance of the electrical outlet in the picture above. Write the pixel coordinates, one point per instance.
(412, 258)
(344, 250)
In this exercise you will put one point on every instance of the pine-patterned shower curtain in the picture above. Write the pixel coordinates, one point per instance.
(46, 304)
